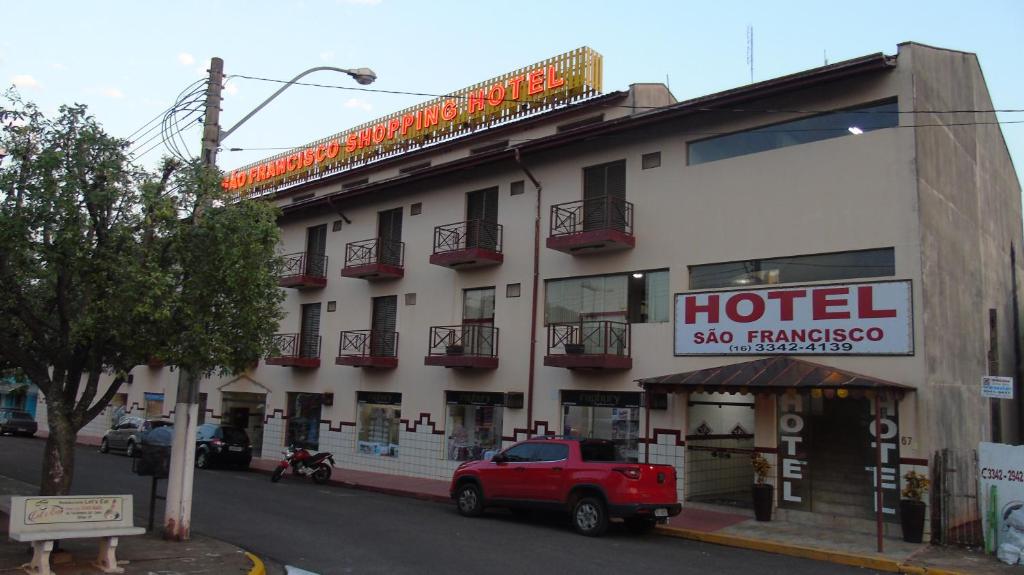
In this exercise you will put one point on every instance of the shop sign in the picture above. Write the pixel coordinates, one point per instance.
(557, 81)
(474, 398)
(601, 398)
(792, 454)
(1002, 488)
(839, 319)
(379, 397)
(884, 445)
(997, 387)
(70, 509)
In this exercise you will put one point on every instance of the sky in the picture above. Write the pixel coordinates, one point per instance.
(129, 61)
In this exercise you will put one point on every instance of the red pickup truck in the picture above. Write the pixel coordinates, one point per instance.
(581, 476)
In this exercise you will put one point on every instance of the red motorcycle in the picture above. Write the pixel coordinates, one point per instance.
(306, 464)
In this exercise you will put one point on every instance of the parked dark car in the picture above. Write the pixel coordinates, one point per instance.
(222, 445)
(17, 422)
(127, 434)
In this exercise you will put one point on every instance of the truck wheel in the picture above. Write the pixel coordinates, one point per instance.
(589, 517)
(469, 500)
(322, 474)
(276, 475)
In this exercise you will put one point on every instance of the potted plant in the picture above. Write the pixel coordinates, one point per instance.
(912, 506)
(764, 493)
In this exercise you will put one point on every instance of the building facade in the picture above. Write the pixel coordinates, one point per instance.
(853, 228)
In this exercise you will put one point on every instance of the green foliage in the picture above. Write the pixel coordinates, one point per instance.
(104, 265)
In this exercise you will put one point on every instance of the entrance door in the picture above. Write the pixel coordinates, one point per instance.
(309, 332)
(383, 325)
(838, 453)
(478, 321)
(246, 410)
(389, 237)
(316, 247)
(604, 196)
(482, 219)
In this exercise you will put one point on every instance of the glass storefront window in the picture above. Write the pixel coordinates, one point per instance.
(473, 431)
(379, 416)
(304, 420)
(621, 425)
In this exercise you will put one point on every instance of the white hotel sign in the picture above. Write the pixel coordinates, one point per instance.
(841, 319)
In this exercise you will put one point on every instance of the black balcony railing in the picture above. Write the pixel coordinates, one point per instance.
(590, 337)
(368, 343)
(474, 339)
(375, 251)
(310, 265)
(592, 214)
(467, 235)
(294, 349)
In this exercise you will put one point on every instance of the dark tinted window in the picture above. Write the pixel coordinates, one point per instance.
(802, 131)
(795, 269)
(521, 452)
(234, 435)
(552, 452)
(598, 451)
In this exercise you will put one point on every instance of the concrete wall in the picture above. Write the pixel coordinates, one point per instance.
(969, 201)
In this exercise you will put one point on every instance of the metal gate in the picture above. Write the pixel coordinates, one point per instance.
(956, 519)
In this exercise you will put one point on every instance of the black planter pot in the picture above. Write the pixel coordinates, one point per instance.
(912, 520)
(763, 499)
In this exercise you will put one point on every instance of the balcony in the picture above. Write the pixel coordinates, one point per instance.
(589, 345)
(374, 259)
(465, 245)
(295, 350)
(303, 271)
(368, 348)
(472, 346)
(592, 225)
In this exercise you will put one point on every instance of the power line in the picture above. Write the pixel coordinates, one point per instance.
(700, 109)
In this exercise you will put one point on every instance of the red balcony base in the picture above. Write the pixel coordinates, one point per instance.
(367, 361)
(589, 361)
(462, 361)
(593, 241)
(373, 272)
(292, 361)
(468, 258)
(302, 281)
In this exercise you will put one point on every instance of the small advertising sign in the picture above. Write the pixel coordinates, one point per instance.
(1002, 492)
(997, 387)
(846, 319)
(50, 510)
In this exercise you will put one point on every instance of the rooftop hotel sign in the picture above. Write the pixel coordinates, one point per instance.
(564, 79)
(845, 319)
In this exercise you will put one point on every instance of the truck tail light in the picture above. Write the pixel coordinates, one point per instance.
(630, 472)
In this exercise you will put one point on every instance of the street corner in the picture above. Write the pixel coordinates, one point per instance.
(258, 568)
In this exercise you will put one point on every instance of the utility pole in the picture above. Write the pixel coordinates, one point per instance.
(178, 513)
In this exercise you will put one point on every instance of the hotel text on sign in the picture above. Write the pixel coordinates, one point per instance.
(848, 319)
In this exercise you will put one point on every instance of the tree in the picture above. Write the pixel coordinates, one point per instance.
(104, 266)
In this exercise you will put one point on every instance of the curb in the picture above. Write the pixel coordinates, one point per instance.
(258, 568)
(877, 563)
(376, 489)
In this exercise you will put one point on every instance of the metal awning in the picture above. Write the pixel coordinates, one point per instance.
(769, 375)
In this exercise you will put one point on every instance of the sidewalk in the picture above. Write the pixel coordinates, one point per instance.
(737, 528)
(145, 554)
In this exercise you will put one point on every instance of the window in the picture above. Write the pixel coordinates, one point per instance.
(652, 160)
(796, 269)
(513, 290)
(332, 306)
(309, 331)
(410, 299)
(621, 425)
(379, 415)
(202, 408)
(474, 430)
(638, 297)
(478, 321)
(336, 226)
(316, 249)
(521, 453)
(154, 404)
(416, 209)
(304, 420)
(551, 452)
(802, 131)
(206, 432)
(517, 188)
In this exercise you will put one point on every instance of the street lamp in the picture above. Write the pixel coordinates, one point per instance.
(364, 76)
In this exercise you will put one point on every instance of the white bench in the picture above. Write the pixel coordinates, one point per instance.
(43, 520)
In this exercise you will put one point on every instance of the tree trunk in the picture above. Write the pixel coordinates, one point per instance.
(58, 456)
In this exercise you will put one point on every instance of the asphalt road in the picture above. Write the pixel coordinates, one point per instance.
(331, 530)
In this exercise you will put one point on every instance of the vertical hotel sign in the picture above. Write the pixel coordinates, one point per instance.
(557, 81)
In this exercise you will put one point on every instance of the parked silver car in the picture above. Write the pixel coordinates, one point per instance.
(127, 434)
